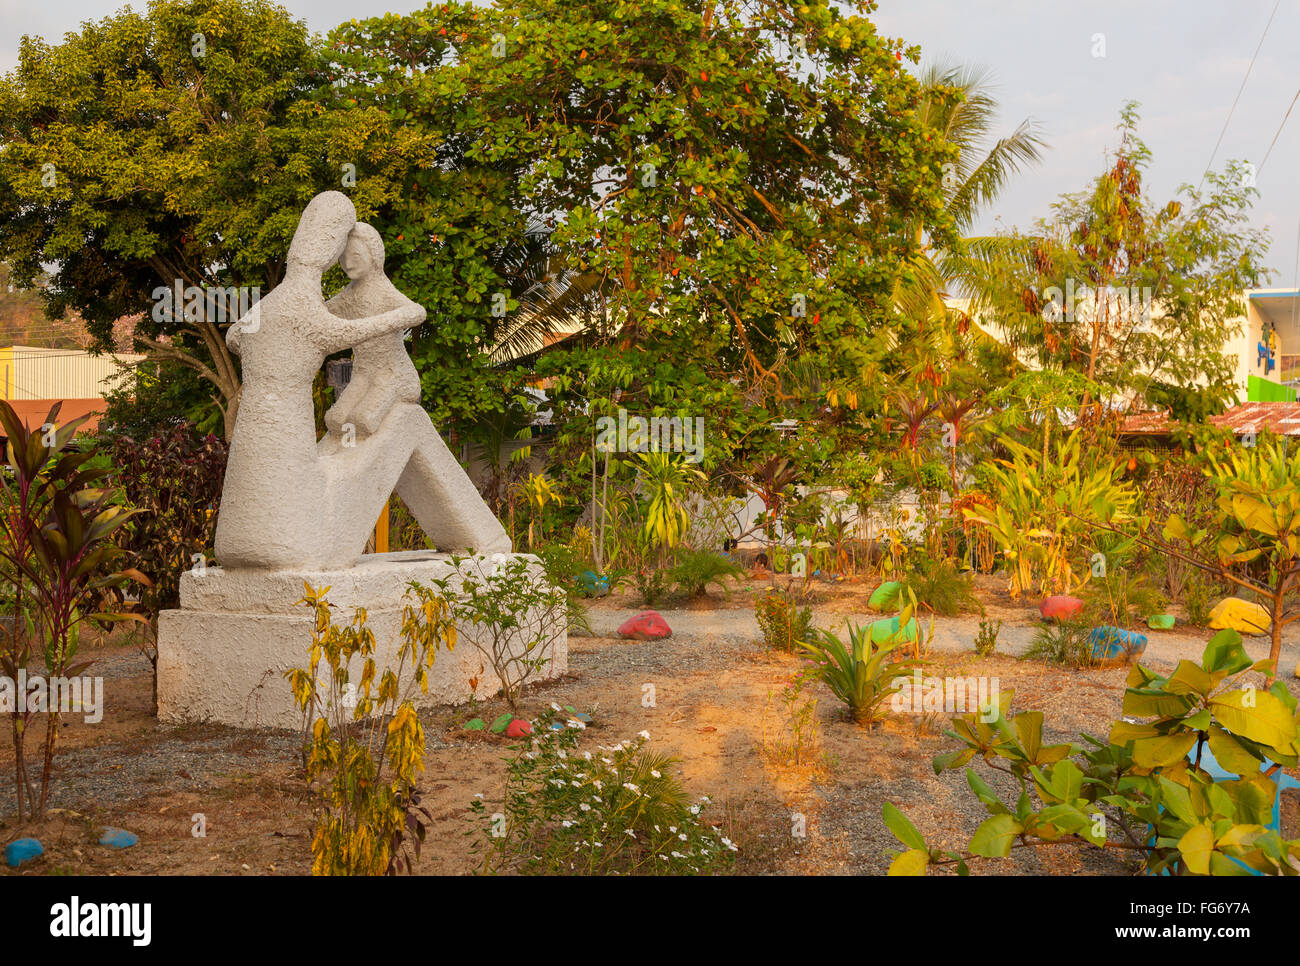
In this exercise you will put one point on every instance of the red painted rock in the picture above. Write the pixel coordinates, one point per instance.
(518, 728)
(1054, 608)
(646, 626)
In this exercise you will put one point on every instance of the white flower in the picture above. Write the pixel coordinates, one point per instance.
(587, 755)
(561, 752)
(655, 773)
(585, 807)
(567, 824)
(644, 734)
(682, 836)
(632, 788)
(631, 833)
(678, 855)
(555, 707)
(575, 723)
(695, 810)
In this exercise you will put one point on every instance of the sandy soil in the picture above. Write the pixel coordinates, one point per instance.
(717, 709)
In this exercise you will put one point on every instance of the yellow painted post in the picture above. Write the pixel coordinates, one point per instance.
(381, 531)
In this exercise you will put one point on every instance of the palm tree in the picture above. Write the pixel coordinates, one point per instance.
(957, 105)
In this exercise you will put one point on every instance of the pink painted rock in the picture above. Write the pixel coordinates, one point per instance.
(518, 728)
(646, 626)
(1054, 608)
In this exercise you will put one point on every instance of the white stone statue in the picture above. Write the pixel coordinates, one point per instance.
(292, 503)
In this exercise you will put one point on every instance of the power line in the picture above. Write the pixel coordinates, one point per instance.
(1279, 130)
(1236, 99)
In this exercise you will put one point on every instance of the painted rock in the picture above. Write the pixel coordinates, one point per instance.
(518, 728)
(118, 838)
(885, 597)
(1061, 605)
(1243, 616)
(593, 584)
(1161, 622)
(646, 626)
(22, 850)
(887, 630)
(1112, 646)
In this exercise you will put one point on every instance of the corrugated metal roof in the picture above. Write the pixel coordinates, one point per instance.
(1282, 418)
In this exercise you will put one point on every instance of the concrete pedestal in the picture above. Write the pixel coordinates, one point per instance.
(222, 655)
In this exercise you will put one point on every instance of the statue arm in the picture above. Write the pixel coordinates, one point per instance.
(333, 334)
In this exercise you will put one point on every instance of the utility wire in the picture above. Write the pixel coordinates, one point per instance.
(1279, 130)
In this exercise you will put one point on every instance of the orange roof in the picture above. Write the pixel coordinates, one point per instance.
(32, 412)
(1282, 418)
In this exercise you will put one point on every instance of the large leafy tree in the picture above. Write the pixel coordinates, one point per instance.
(1135, 297)
(173, 146)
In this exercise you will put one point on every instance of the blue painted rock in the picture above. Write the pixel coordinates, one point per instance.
(1161, 622)
(22, 850)
(887, 630)
(593, 584)
(118, 838)
(1112, 646)
(1059, 606)
(646, 626)
(885, 597)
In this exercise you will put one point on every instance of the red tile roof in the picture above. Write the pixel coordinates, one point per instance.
(1282, 418)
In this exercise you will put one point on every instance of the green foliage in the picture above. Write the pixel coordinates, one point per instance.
(698, 570)
(1045, 508)
(173, 482)
(363, 742)
(862, 674)
(514, 610)
(1124, 597)
(1064, 642)
(940, 587)
(1143, 791)
(785, 625)
(986, 640)
(616, 810)
(56, 540)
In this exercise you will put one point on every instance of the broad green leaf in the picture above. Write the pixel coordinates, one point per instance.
(911, 862)
(1257, 715)
(994, 838)
(902, 828)
(1231, 753)
(1162, 750)
(1196, 846)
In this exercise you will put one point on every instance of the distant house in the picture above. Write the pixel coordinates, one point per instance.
(1155, 430)
(32, 379)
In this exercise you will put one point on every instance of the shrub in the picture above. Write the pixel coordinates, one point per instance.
(514, 612)
(1143, 791)
(1064, 642)
(651, 585)
(940, 587)
(617, 810)
(697, 570)
(862, 674)
(986, 641)
(783, 622)
(173, 481)
(1198, 599)
(367, 808)
(1125, 597)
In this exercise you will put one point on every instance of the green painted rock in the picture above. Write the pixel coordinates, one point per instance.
(885, 597)
(1161, 622)
(887, 631)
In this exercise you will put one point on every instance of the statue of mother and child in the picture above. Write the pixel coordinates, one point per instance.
(291, 501)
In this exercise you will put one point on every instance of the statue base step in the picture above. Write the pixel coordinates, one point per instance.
(222, 655)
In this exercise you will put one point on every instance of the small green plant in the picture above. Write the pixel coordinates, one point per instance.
(1124, 597)
(986, 641)
(862, 674)
(615, 810)
(697, 570)
(1143, 792)
(513, 611)
(651, 584)
(364, 744)
(1198, 599)
(1064, 642)
(797, 741)
(940, 587)
(783, 622)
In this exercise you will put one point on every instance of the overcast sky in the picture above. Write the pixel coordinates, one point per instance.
(1184, 60)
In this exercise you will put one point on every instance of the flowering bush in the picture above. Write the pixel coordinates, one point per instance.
(611, 811)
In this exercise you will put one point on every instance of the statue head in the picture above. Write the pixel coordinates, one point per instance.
(322, 232)
(363, 253)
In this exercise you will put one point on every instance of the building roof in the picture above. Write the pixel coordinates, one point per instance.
(1282, 418)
